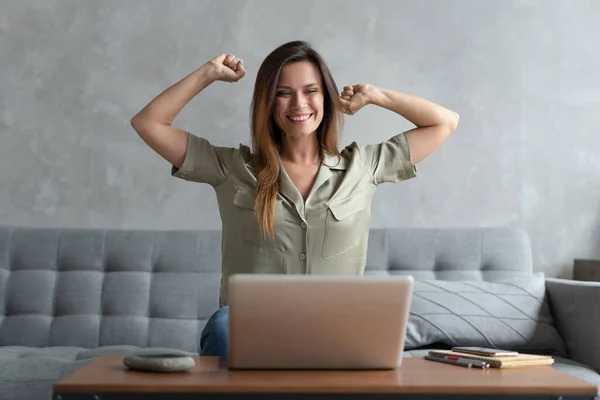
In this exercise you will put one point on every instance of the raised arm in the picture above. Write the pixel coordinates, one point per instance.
(434, 122)
(153, 122)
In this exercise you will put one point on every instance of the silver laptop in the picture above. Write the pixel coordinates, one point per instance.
(317, 321)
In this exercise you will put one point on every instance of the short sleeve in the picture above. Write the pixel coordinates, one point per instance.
(389, 161)
(204, 162)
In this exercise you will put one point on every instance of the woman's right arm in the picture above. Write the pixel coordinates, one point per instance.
(153, 122)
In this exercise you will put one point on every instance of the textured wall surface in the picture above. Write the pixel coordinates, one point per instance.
(523, 75)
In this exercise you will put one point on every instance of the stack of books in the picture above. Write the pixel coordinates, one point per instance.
(512, 360)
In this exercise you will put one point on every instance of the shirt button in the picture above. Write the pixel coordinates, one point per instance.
(303, 225)
(302, 256)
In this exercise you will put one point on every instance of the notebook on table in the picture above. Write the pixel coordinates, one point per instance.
(520, 360)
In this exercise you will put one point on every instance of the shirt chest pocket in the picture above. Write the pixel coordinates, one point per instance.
(250, 232)
(346, 223)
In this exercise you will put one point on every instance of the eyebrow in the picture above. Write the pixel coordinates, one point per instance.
(287, 87)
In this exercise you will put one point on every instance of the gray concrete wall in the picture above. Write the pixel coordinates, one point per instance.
(523, 75)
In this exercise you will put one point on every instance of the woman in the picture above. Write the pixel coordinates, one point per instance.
(293, 204)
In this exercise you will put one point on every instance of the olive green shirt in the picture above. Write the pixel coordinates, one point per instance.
(327, 234)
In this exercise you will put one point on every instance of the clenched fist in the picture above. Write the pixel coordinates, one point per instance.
(355, 97)
(227, 68)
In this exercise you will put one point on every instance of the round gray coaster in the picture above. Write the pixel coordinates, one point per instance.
(159, 362)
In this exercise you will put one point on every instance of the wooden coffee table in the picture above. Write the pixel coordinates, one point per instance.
(107, 378)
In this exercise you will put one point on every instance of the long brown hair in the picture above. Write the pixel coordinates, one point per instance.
(267, 137)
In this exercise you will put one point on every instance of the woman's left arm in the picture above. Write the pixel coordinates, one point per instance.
(434, 122)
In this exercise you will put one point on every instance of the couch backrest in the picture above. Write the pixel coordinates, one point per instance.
(480, 253)
(90, 288)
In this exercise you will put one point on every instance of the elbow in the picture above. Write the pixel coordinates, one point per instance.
(139, 123)
(135, 122)
(452, 122)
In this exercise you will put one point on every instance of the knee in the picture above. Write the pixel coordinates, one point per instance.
(215, 335)
(220, 316)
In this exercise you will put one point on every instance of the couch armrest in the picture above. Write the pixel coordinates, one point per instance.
(576, 309)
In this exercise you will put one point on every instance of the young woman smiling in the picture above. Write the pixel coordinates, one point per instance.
(292, 203)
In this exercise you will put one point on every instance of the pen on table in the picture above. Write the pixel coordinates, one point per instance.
(474, 362)
(459, 362)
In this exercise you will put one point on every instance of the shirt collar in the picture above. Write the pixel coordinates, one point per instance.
(335, 162)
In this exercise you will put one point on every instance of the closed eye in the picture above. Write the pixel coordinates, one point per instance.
(310, 91)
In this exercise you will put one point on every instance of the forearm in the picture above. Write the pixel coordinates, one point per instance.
(417, 110)
(166, 106)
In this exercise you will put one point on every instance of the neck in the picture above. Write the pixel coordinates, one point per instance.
(302, 150)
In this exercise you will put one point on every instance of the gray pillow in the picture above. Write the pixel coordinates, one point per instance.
(505, 314)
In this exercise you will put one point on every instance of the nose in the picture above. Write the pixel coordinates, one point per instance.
(298, 102)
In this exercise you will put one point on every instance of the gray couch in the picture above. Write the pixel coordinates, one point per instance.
(69, 295)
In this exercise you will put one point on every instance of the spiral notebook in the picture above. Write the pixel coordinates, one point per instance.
(521, 360)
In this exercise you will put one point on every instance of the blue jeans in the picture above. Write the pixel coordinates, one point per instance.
(214, 339)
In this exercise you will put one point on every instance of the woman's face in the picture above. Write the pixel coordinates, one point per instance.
(299, 99)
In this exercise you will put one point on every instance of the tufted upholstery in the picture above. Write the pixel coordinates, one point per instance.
(91, 288)
(451, 253)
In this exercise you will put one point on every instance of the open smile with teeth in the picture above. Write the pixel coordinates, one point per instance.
(300, 118)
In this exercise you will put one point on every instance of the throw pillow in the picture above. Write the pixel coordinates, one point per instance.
(507, 314)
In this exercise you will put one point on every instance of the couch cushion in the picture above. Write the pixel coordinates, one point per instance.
(33, 377)
(562, 364)
(78, 353)
(29, 373)
(451, 254)
(507, 314)
(577, 370)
